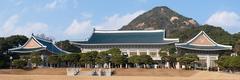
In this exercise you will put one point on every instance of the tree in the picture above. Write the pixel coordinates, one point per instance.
(237, 46)
(53, 60)
(114, 51)
(66, 45)
(88, 58)
(19, 63)
(72, 59)
(118, 59)
(216, 33)
(145, 60)
(136, 60)
(188, 59)
(140, 60)
(4, 61)
(168, 59)
(230, 63)
(11, 42)
(102, 58)
(35, 58)
(164, 56)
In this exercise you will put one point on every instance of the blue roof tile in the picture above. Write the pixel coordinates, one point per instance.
(127, 37)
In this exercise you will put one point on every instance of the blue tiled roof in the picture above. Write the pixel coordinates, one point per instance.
(50, 46)
(127, 37)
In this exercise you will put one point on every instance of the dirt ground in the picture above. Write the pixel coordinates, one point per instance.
(39, 71)
(121, 74)
(154, 72)
(63, 77)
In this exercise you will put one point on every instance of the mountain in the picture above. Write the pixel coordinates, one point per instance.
(161, 18)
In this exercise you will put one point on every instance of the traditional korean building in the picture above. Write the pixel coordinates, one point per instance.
(130, 43)
(205, 48)
(38, 44)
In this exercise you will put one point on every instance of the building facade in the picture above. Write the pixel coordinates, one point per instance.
(147, 42)
(205, 48)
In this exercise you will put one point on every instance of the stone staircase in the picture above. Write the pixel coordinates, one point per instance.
(94, 72)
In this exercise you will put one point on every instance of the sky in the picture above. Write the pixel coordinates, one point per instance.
(75, 19)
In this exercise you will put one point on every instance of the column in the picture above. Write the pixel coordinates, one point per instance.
(178, 65)
(208, 61)
(148, 53)
(157, 53)
(218, 69)
(128, 53)
(138, 53)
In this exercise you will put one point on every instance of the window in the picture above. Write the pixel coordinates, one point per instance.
(133, 53)
(212, 63)
(153, 54)
(202, 63)
(143, 53)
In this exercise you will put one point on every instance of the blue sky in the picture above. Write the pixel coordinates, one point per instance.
(75, 19)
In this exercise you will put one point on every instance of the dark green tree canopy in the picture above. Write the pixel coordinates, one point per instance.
(35, 58)
(114, 51)
(134, 59)
(118, 59)
(11, 42)
(53, 59)
(146, 59)
(229, 62)
(188, 59)
(65, 45)
(19, 63)
(89, 57)
(142, 59)
(103, 57)
(73, 58)
(216, 33)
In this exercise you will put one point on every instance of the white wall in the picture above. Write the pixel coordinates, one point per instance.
(128, 50)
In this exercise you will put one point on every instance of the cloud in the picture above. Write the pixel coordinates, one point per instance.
(82, 30)
(10, 23)
(230, 21)
(79, 29)
(32, 28)
(54, 4)
(10, 27)
(117, 21)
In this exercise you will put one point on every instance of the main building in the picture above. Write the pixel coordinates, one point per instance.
(147, 42)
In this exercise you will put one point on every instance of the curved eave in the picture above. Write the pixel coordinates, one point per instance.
(203, 49)
(124, 43)
(30, 51)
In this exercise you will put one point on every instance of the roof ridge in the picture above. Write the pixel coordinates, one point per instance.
(202, 33)
(37, 37)
(128, 31)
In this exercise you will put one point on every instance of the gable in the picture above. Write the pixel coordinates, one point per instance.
(32, 44)
(202, 40)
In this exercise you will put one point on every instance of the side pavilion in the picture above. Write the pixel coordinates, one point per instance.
(205, 48)
(40, 45)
